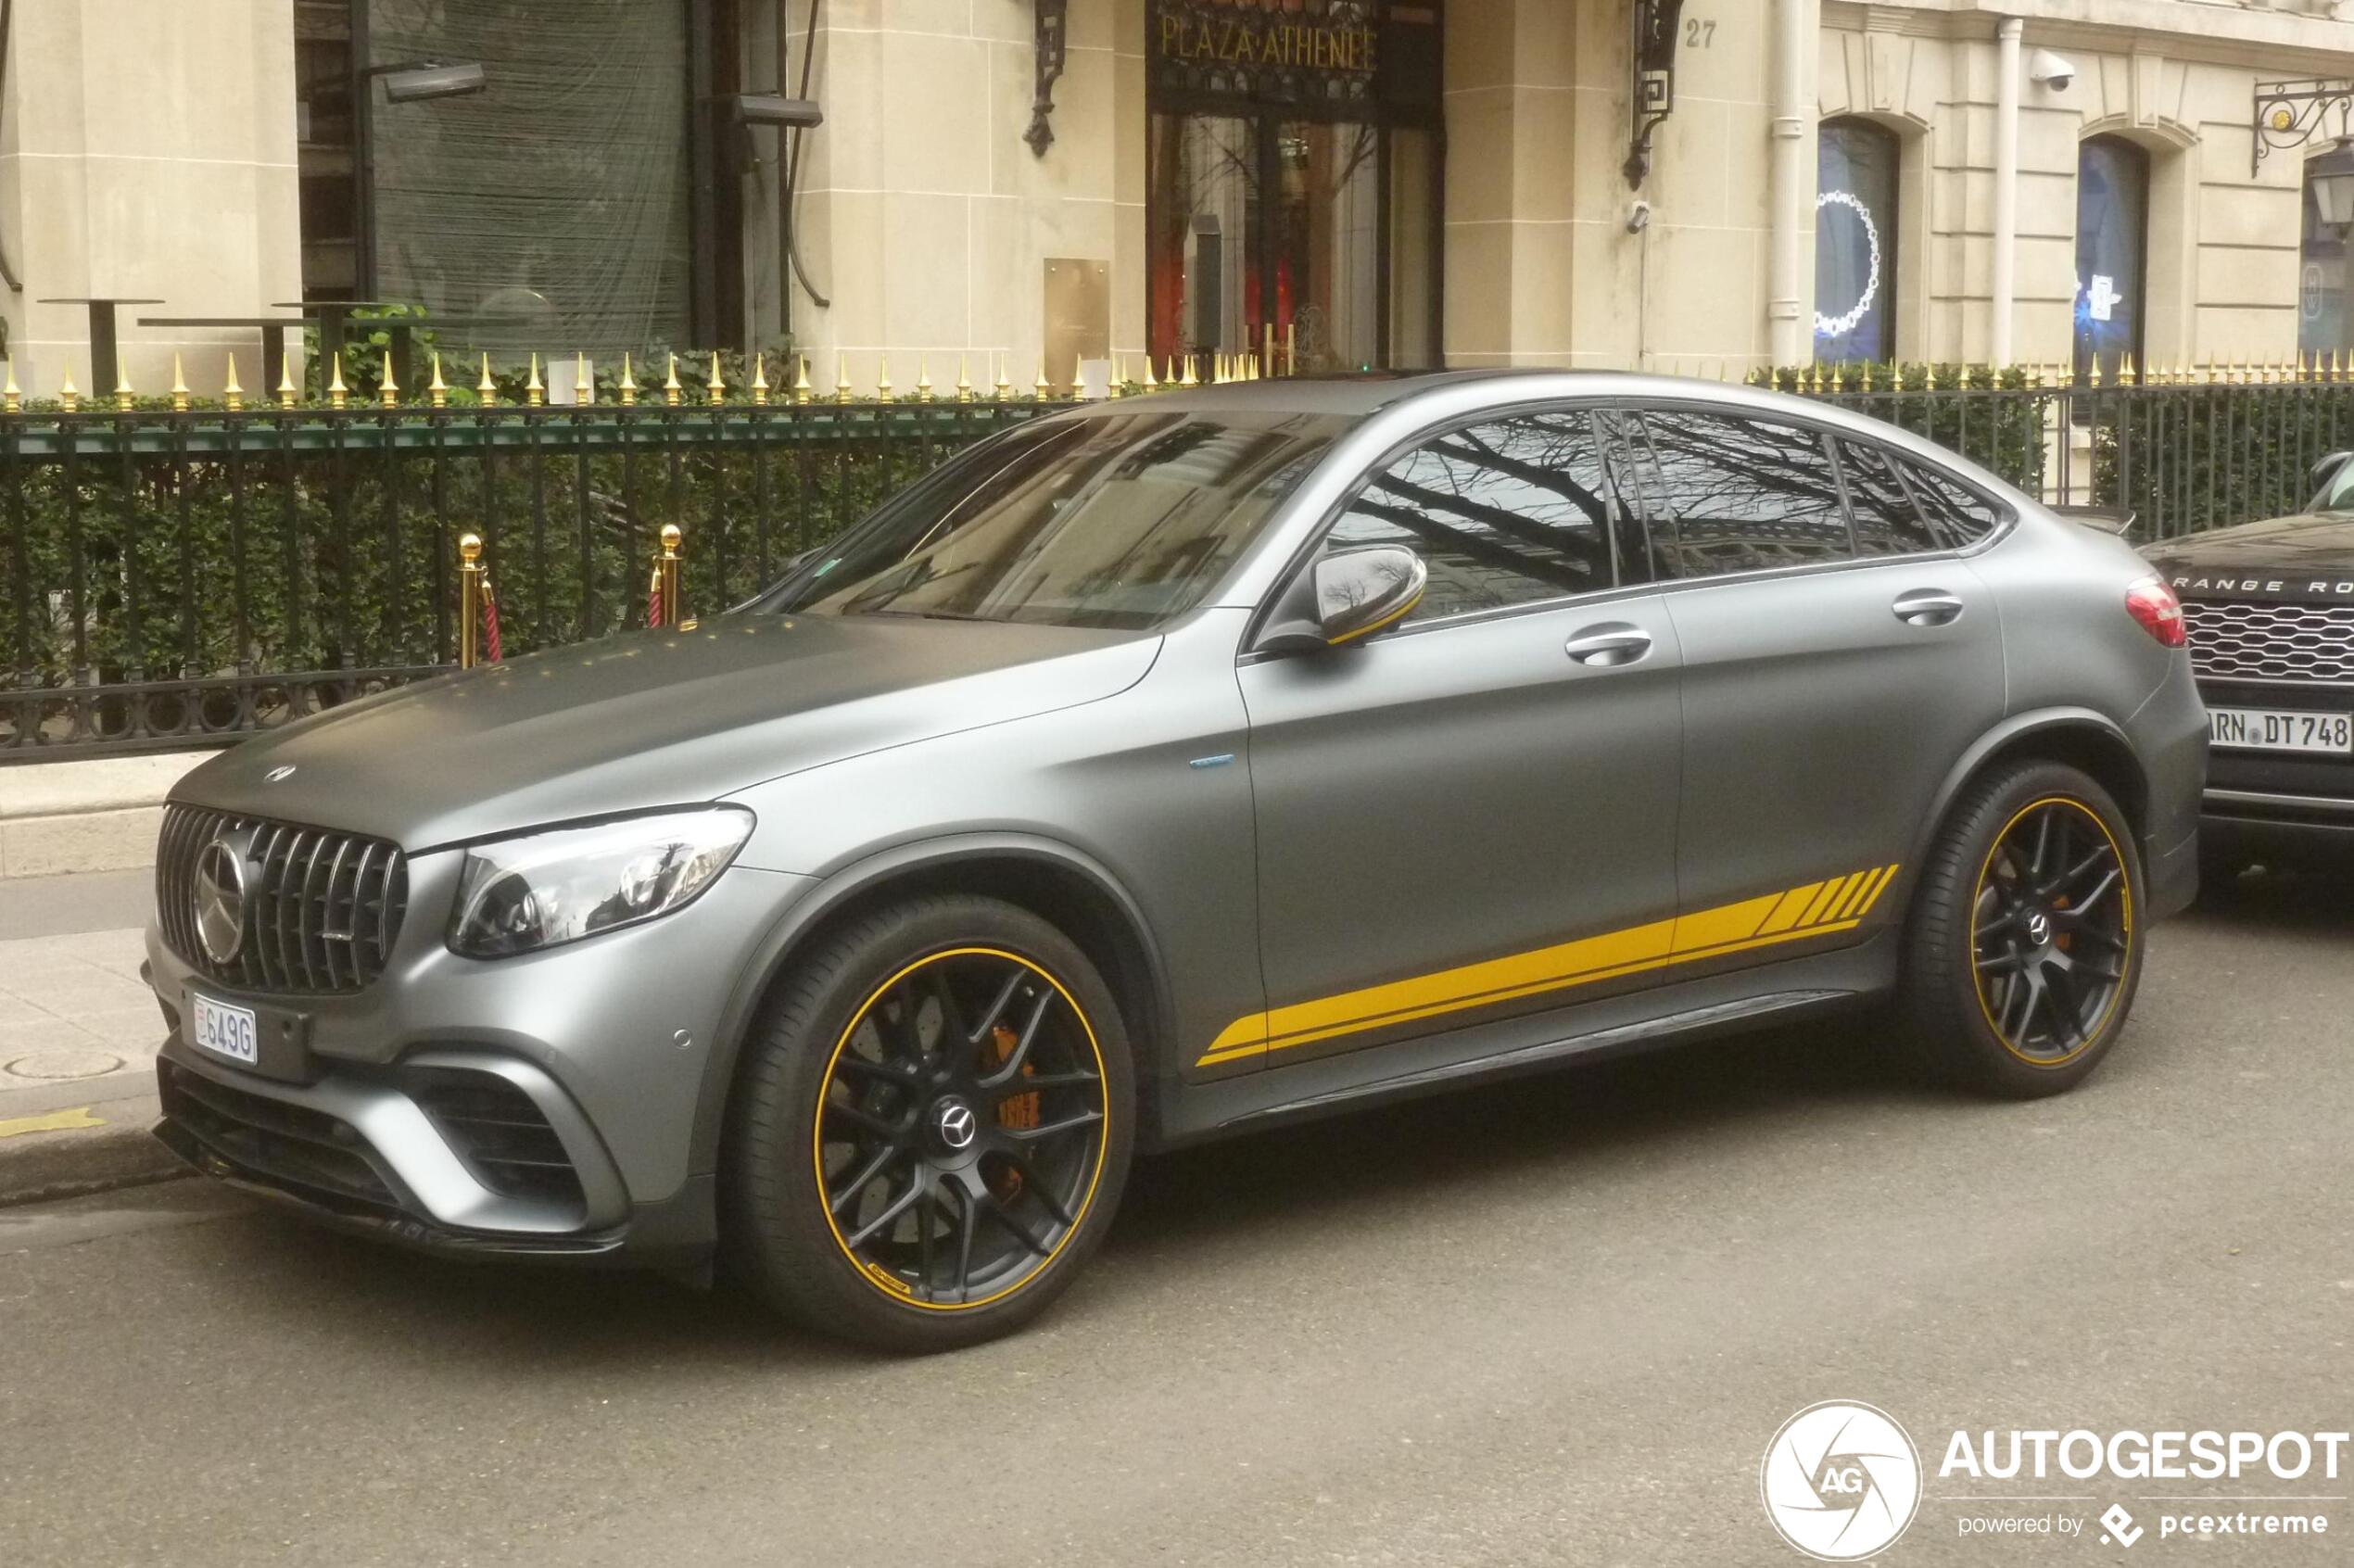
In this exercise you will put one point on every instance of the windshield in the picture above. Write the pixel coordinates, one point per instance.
(1123, 521)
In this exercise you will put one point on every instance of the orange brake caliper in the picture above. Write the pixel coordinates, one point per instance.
(1018, 1114)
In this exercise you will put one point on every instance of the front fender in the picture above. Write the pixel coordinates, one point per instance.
(834, 891)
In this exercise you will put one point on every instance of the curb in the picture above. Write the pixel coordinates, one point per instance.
(90, 814)
(85, 1148)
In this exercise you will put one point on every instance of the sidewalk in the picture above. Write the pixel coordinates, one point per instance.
(78, 1036)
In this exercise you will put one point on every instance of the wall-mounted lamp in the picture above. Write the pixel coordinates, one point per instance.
(427, 80)
(2289, 114)
(770, 108)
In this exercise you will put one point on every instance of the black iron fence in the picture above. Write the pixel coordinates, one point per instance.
(170, 576)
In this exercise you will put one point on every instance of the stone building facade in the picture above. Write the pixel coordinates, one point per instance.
(1382, 182)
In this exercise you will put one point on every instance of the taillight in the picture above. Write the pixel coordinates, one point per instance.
(2151, 602)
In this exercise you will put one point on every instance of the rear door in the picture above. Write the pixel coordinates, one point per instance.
(1473, 815)
(1835, 667)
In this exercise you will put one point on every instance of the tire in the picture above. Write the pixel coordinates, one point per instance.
(844, 1106)
(2017, 978)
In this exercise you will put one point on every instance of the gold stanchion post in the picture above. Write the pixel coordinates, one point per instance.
(470, 571)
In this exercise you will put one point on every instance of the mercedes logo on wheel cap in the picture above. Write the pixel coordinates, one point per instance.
(954, 1120)
(2039, 928)
(219, 899)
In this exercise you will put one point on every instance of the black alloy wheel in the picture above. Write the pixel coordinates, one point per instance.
(2022, 953)
(931, 1126)
(2052, 930)
(961, 1127)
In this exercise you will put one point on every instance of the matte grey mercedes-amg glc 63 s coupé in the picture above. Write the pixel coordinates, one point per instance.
(1166, 770)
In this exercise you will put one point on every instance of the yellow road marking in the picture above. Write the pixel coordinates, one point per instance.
(56, 1122)
(1816, 909)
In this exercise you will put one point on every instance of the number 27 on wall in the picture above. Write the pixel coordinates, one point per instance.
(1700, 32)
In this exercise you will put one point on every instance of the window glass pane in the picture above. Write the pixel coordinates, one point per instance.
(1961, 514)
(1204, 203)
(2112, 230)
(2321, 323)
(1327, 226)
(1738, 495)
(1123, 522)
(1506, 514)
(1856, 242)
(552, 206)
(1887, 520)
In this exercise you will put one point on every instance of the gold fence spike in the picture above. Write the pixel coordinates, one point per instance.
(12, 396)
(1005, 388)
(232, 396)
(389, 391)
(338, 395)
(628, 387)
(535, 391)
(584, 383)
(716, 388)
(1116, 384)
(287, 391)
(486, 390)
(179, 386)
(923, 378)
(2334, 364)
(123, 396)
(882, 380)
(1188, 379)
(68, 398)
(436, 389)
(1291, 348)
(1078, 376)
(801, 390)
(841, 378)
(1152, 385)
(673, 393)
(1044, 389)
(760, 380)
(2125, 376)
(964, 382)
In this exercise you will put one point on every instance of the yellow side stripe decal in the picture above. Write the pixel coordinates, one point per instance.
(1816, 909)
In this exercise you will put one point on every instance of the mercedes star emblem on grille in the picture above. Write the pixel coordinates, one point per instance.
(220, 900)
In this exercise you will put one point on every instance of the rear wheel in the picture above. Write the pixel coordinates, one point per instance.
(932, 1130)
(2023, 952)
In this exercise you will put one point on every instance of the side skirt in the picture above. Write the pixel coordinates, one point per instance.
(1513, 1047)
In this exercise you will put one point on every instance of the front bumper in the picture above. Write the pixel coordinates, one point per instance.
(2261, 804)
(545, 1105)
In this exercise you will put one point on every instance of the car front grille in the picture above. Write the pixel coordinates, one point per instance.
(2284, 642)
(321, 911)
(499, 1132)
(287, 1146)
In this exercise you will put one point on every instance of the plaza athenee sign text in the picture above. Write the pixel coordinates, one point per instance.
(1247, 41)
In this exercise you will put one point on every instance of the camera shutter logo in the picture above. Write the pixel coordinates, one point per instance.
(1841, 1481)
(219, 900)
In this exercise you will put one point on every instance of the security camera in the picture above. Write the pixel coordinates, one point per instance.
(2048, 69)
(1639, 217)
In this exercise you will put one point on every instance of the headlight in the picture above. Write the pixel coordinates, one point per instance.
(521, 895)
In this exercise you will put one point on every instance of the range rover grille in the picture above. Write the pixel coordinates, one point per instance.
(321, 909)
(2300, 642)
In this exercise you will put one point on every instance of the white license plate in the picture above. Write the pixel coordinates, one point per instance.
(2273, 729)
(222, 1029)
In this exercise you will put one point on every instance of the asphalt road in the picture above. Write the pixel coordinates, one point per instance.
(1553, 1323)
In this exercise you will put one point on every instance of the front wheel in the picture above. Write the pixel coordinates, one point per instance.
(2024, 948)
(931, 1131)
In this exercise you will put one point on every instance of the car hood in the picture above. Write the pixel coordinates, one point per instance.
(2309, 545)
(645, 720)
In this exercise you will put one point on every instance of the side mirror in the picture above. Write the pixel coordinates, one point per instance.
(1348, 596)
(2326, 470)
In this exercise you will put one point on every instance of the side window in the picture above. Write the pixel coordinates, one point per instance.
(1511, 512)
(1887, 521)
(1731, 493)
(1961, 514)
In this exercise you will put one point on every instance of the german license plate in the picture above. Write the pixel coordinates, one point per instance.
(224, 1030)
(2274, 730)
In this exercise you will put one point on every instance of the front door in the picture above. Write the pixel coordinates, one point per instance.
(1834, 673)
(1473, 815)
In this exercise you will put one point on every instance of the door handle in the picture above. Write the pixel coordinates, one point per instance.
(1927, 607)
(1609, 645)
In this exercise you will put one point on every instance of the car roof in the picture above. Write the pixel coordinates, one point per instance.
(1362, 394)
